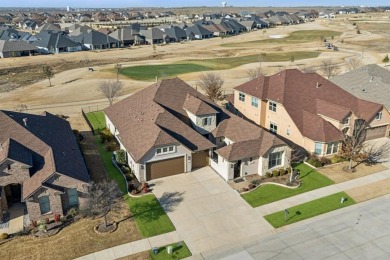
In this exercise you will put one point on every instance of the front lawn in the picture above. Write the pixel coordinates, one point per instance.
(149, 72)
(294, 38)
(310, 178)
(309, 209)
(180, 251)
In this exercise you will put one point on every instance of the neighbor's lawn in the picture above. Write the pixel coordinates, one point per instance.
(179, 252)
(148, 214)
(309, 209)
(149, 72)
(97, 120)
(73, 241)
(293, 38)
(310, 178)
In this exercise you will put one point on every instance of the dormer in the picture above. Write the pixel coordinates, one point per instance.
(203, 117)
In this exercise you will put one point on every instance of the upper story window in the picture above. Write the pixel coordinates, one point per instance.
(165, 150)
(241, 97)
(255, 102)
(272, 106)
(206, 121)
(273, 127)
(378, 116)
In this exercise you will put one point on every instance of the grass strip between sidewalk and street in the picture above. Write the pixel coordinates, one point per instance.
(309, 209)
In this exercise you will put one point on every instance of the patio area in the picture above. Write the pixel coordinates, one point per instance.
(15, 219)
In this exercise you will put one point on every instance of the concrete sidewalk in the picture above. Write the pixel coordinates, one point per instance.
(134, 247)
(322, 192)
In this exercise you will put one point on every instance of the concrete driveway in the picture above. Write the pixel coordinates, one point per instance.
(206, 212)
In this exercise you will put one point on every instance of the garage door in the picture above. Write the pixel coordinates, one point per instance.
(200, 159)
(164, 168)
(376, 132)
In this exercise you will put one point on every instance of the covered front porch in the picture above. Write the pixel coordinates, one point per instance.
(13, 213)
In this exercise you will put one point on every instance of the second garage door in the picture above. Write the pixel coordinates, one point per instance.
(164, 168)
(376, 132)
(200, 159)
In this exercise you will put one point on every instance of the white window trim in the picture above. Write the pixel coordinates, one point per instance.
(255, 102)
(272, 105)
(170, 149)
(272, 128)
(241, 97)
(322, 148)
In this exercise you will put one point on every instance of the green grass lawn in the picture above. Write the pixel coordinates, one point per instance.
(293, 38)
(149, 216)
(179, 252)
(149, 72)
(309, 209)
(310, 178)
(97, 120)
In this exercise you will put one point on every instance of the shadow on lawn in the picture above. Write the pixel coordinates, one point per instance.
(152, 210)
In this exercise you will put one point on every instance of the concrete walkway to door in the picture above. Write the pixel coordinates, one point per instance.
(210, 213)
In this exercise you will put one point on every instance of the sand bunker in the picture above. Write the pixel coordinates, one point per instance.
(277, 36)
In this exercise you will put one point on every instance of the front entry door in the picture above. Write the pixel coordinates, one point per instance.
(237, 168)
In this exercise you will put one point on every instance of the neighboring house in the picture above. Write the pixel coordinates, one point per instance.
(10, 49)
(371, 82)
(94, 40)
(217, 29)
(176, 33)
(170, 128)
(199, 32)
(40, 165)
(49, 27)
(154, 36)
(249, 25)
(56, 42)
(127, 36)
(307, 109)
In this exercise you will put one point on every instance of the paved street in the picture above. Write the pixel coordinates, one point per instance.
(361, 231)
(209, 214)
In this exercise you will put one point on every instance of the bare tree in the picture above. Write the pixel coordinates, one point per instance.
(48, 73)
(118, 70)
(103, 198)
(354, 63)
(355, 149)
(254, 73)
(21, 107)
(329, 68)
(111, 89)
(212, 85)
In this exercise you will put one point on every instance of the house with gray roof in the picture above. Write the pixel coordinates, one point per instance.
(41, 165)
(12, 49)
(199, 32)
(56, 42)
(127, 36)
(154, 36)
(94, 40)
(170, 128)
(176, 33)
(370, 82)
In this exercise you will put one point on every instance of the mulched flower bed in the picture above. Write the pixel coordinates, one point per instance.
(254, 181)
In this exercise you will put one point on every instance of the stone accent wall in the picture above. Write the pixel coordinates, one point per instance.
(34, 209)
(13, 172)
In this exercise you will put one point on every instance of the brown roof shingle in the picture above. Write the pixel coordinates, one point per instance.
(309, 93)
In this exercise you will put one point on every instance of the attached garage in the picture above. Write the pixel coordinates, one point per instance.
(376, 132)
(200, 159)
(164, 168)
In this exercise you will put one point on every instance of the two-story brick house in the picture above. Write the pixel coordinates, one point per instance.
(170, 128)
(40, 165)
(307, 109)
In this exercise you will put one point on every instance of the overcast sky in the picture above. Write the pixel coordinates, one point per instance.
(178, 3)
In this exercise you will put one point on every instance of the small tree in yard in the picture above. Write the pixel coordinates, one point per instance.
(329, 68)
(353, 147)
(212, 85)
(48, 73)
(386, 59)
(103, 198)
(110, 89)
(354, 63)
(292, 59)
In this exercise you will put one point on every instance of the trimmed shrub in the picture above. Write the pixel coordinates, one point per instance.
(275, 173)
(282, 172)
(337, 158)
(106, 136)
(316, 163)
(72, 212)
(120, 156)
(63, 219)
(111, 146)
(288, 169)
(256, 182)
(3, 236)
(324, 161)
(268, 174)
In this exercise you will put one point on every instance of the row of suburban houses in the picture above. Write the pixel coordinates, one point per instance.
(170, 128)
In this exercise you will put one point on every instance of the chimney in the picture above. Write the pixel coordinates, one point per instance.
(25, 121)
